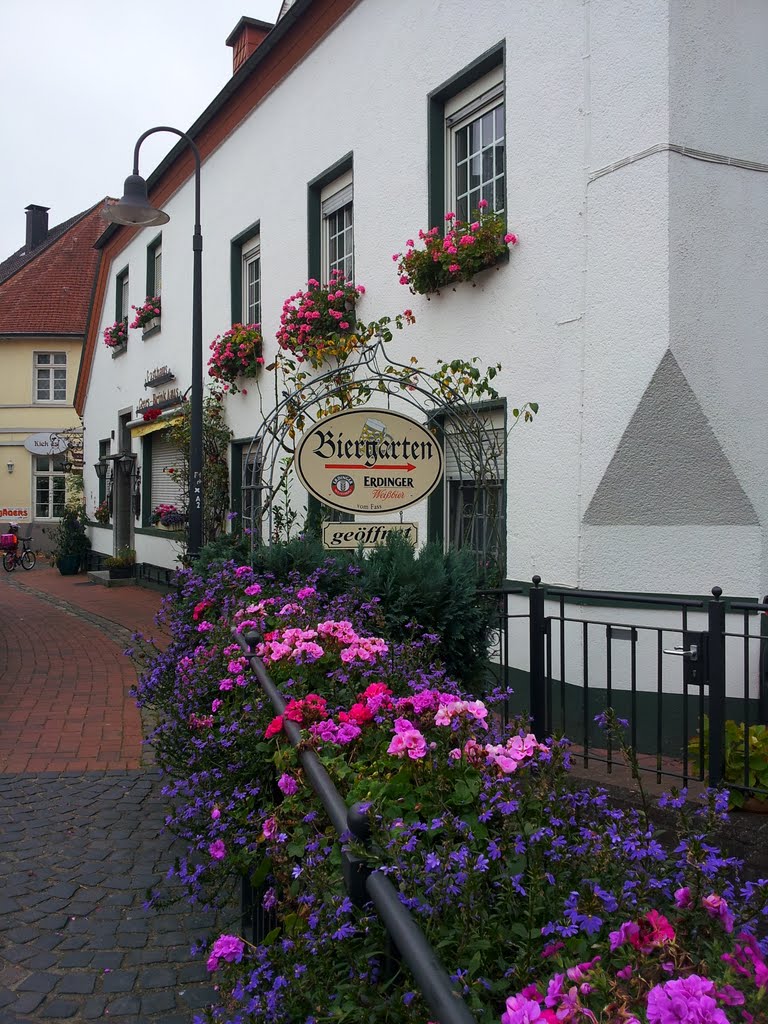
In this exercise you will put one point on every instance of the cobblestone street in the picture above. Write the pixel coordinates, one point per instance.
(80, 821)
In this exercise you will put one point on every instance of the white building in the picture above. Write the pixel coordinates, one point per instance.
(631, 142)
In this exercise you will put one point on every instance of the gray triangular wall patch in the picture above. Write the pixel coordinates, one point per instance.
(669, 468)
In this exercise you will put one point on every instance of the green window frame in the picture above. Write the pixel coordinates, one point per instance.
(155, 266)
(441, 504)
(122, 303)
(437, 130)
(236, 267)
(103, 453)
(315, 220)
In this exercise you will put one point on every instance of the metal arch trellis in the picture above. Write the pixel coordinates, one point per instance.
(478, 452)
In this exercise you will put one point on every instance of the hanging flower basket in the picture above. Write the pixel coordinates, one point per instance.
(236, 353)
(116, 336)
(466, 248)
(320, 323)
(148, 312)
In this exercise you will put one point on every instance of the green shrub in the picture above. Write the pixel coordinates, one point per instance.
(437, 590)
(229, 547)
(305, 556)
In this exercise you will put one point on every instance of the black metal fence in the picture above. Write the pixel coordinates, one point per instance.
(364, 885)
(674, 668)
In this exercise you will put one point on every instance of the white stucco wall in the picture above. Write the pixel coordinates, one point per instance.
(600, 286)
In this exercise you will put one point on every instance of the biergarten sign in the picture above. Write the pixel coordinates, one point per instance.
(370, 460)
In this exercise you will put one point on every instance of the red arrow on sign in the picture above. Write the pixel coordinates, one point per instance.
(408, 467)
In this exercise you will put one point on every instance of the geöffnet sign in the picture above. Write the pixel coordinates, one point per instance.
(369, 461)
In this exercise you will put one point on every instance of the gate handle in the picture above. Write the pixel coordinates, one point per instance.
(681, 652)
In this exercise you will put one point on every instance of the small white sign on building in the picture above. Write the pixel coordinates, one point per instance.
(46, 443)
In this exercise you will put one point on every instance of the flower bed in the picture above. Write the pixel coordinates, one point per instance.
(542, 901)
(460, 254)
(236, 353)
(320, 323)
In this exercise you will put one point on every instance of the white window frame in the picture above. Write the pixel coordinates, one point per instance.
(336, 200)
(470, 106)
(50, 474)
(49, 367)
(251, 258)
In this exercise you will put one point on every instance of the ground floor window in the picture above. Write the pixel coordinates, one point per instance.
(246, 486)
(162, 467)
(475, 487)
(50, 486)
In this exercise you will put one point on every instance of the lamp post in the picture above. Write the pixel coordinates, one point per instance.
(135, 210)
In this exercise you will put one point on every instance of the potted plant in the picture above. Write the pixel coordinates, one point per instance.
(320, 323)
(116, 335)
(70, 543)
(168, 517)
(752, 794)
(465, 249)
(121, 564)
(236, 353)
(147, 315)
(102, 513)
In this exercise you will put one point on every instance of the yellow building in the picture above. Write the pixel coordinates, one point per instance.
(45, 302)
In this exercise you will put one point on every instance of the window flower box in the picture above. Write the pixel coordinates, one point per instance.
(465, 250)
(239, 352)
(116, 335)
(151, 327)
(146, 314)
(320, 323)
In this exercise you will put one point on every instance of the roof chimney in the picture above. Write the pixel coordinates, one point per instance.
(37, 225)
(246, 37)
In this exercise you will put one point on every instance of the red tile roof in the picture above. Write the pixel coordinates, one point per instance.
(50, 292)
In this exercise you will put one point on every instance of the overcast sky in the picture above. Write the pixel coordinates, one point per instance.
(80, 80)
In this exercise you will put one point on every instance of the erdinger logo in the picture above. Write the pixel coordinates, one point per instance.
(342, 485)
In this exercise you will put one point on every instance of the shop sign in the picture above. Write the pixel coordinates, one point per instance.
(369, 461)
(366, 535)
(47, 443)
(15, 514)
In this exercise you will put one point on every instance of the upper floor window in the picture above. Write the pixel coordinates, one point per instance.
(155, 266)
(337, 228)
(50, 376)
(475, 126)
(252, 282)
(466, 139)
(122, 305)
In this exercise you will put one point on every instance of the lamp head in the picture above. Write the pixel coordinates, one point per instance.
(134, 209)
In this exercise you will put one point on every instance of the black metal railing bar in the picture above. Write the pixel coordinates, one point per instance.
(436, 986)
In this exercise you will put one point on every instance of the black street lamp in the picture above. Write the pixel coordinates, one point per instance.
(135, 210)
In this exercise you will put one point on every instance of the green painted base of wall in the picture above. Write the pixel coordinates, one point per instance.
(573, 714)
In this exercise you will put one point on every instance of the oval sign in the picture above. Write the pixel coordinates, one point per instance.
(369, 461)
(47, 443)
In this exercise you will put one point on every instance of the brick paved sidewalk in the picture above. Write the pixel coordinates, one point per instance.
(81, 825)
(131, 609)
(64, 691)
